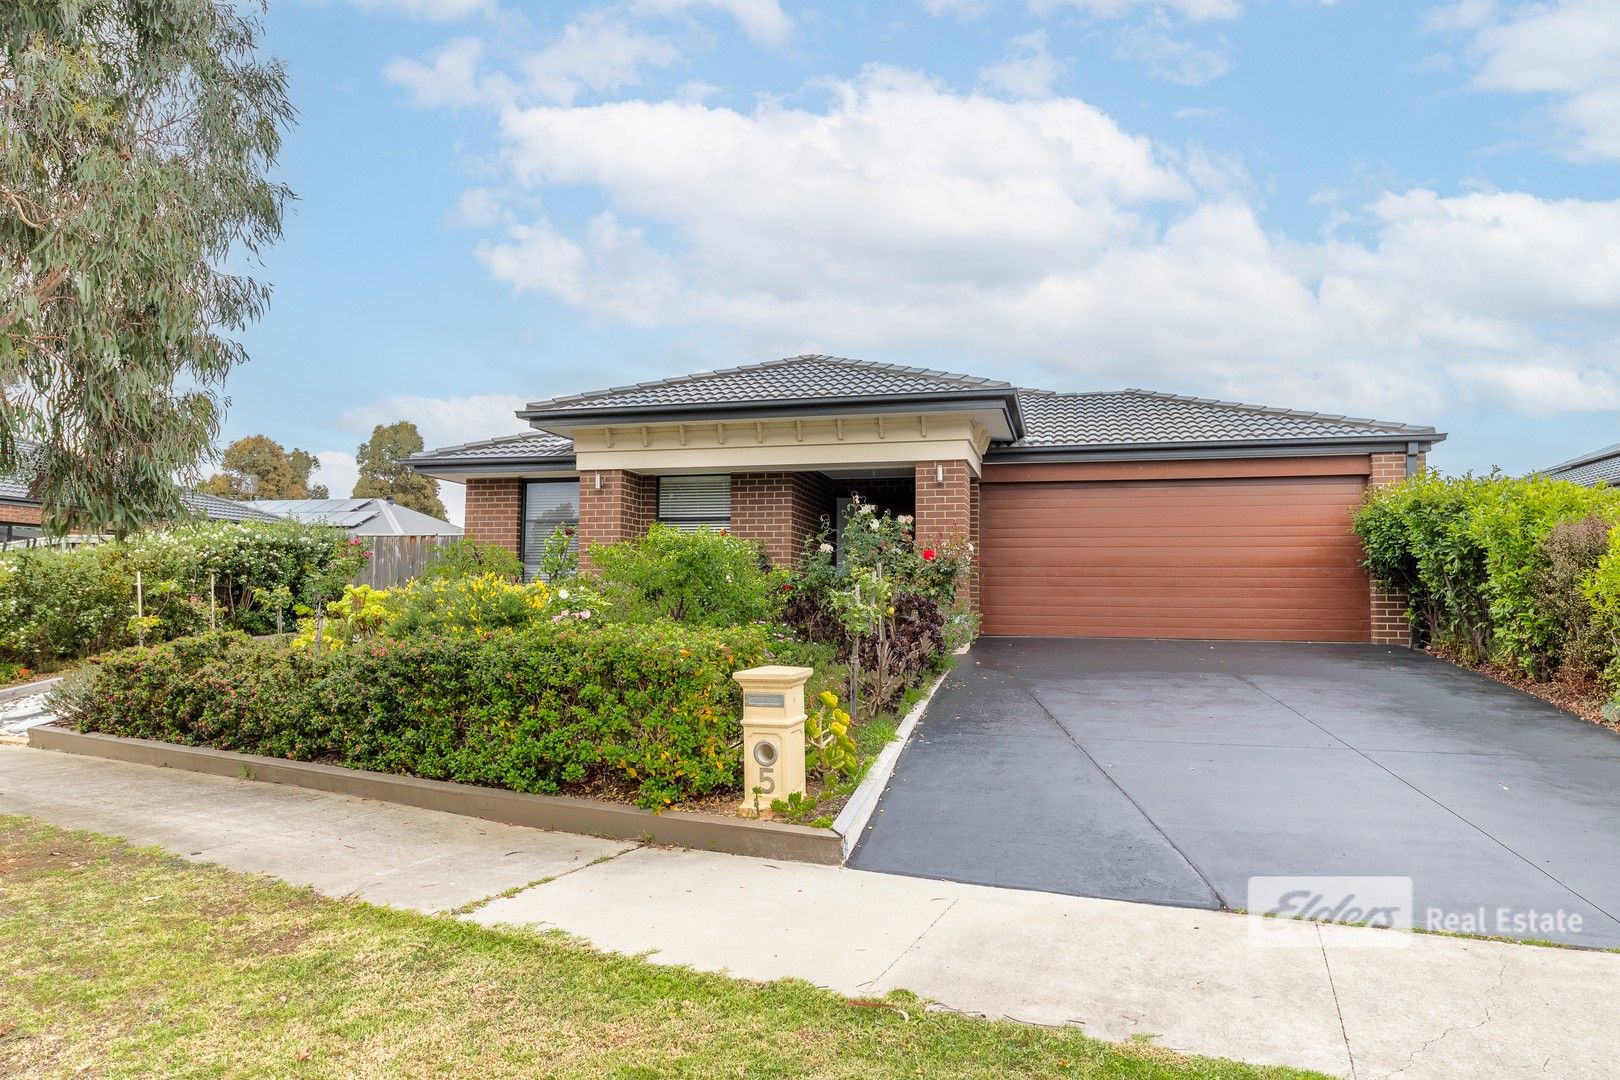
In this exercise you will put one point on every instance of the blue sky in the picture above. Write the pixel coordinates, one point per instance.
(1404, 211)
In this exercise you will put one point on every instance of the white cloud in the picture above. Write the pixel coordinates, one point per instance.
(449, 78)
(338, 472)
(599, 51)
(1568, 52)
(442, 422)
(879, 223)
(1170, 57)
(763, 21)
(1196, 10)
(1028, 69)
(437, 10)
(963, 10)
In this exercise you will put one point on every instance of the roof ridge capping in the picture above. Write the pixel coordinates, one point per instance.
(1270, 410)
(965, 382)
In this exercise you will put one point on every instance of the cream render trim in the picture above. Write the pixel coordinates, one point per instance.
(861, 440)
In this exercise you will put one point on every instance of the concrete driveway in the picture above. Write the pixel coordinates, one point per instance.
(1172, 771)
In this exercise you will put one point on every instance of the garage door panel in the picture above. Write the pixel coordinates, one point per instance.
(1269, 558)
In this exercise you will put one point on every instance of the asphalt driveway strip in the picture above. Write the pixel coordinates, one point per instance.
(1171, 772)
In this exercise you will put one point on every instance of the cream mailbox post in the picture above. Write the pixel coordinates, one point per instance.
(773, 733)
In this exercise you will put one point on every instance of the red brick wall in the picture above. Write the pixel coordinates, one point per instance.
(494, 510)
(780, 510)
(1389, 622)
(620, 508)
(947, 493)
(13, 514)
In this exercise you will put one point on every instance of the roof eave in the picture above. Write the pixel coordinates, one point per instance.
(1393, 442)
(563, 420)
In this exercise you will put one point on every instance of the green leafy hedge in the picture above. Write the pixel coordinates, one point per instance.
(651, 706)
(1494, 566)
(57, 604)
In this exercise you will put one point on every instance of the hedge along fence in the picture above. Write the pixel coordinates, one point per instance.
(67, 604)
(1525, 571)
(649, 708)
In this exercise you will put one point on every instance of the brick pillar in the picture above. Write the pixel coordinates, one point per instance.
(494, 510)
(614, 505)
(945, 506)
(779, 510)
(975, 515)
(1389, 623)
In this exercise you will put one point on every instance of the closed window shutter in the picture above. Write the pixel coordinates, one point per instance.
(693, 502)
(546, 505)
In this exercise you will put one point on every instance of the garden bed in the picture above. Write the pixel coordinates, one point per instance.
(592, 817)
(1583, 695)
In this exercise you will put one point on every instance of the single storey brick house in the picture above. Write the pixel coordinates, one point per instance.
(1120, 514)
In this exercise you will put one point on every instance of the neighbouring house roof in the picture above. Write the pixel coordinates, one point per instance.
(14, 489)
(361, 517)
(1043, 422)
(218, 509)
(1598, 467)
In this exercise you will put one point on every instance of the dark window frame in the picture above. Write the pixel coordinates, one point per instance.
(523, 518)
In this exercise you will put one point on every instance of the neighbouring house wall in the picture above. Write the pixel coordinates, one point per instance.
(18, 514)
(1389, 622)
(780, 510)
(495, 510)
(614, 505)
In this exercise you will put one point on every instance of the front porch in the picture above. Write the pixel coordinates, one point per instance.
(780, 509)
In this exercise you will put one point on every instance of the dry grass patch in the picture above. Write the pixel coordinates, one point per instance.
(126, 962)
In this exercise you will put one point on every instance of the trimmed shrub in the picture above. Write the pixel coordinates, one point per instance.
(469, 558)
(1470, 552)
(700, 578)
(59, 604)
(650, 707)
(1570, 557)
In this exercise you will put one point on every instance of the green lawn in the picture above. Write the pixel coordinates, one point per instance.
(120, 961)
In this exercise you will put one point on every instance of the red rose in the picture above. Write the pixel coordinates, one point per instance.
(928, 554)
(787, 587)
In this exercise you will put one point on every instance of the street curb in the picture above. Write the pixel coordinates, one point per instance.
(858, 811)
(704, 832)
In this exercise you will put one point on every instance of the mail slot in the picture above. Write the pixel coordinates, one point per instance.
(773, 734)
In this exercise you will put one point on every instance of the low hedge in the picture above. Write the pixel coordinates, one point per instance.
(648, 707)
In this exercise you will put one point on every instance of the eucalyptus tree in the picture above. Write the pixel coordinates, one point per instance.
(137, 139)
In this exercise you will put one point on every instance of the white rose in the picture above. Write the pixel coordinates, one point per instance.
(875, 526)
(826, 549)
(562, 594)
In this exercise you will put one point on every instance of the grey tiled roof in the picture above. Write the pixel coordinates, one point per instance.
(1146, 417)
(526, 446)
(795, 378)
(212, 506)
(1598, 467)
(15, 489)
(1051, 421)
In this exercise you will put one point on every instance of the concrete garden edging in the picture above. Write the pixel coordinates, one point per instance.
(705, 832)
(22, 690)
(857, 812)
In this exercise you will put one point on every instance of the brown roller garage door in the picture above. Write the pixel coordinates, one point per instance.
(1246, 557)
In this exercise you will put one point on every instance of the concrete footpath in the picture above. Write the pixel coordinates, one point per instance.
(1438, 1007)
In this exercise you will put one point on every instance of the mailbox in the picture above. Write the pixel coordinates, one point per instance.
(773, 733)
